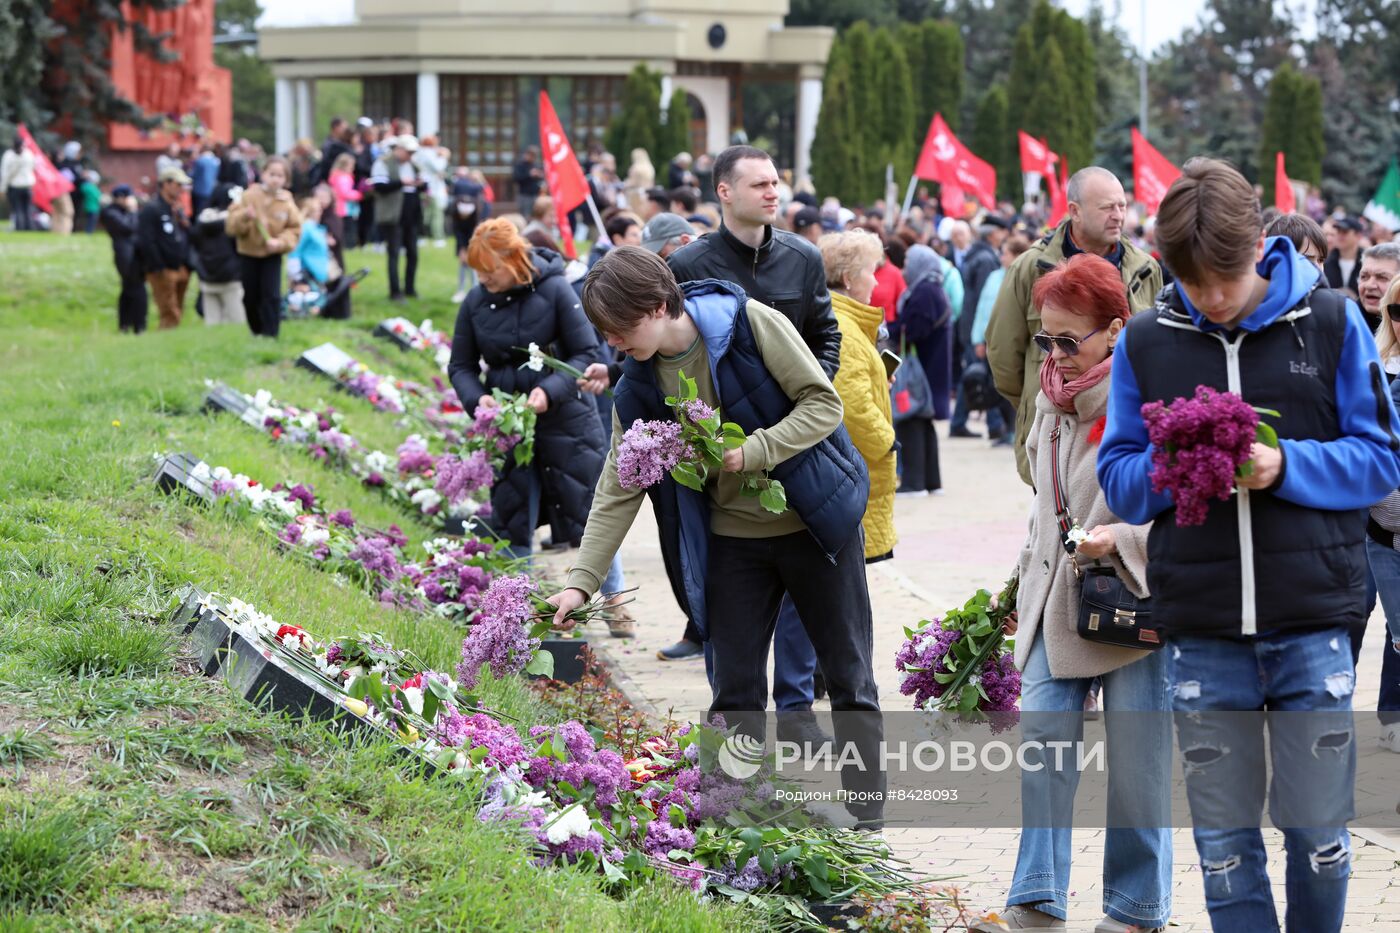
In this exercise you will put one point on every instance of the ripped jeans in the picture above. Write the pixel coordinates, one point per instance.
(1305, 681)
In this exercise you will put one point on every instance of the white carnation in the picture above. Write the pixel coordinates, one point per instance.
(314, 537)
(426, 499)
(568, 824)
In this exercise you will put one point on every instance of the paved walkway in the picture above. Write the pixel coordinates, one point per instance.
(949, 545)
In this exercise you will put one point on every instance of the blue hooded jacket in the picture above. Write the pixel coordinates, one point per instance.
(1340, 444)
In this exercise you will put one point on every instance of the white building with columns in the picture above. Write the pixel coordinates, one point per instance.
(471, 70)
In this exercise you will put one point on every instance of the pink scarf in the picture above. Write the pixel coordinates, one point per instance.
(1061, 393)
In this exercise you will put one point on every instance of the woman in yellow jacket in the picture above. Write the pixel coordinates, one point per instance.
(850, 259)
(267, 224)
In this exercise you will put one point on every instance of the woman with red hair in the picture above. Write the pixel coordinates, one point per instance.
(522, 298)
(1083, 307)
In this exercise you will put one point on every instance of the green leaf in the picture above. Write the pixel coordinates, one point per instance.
(791, 853)
(774, 498)
(541, 664)
(686, 474)
(751, 838)
(1266, 435)
(967, 700)
(431, 704)
(766, 860)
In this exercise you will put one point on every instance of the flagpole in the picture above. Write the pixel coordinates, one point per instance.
(597, 218)
(909, 195)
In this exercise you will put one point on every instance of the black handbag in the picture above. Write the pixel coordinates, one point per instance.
(1109, 613)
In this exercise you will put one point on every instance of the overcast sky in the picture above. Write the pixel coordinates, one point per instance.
(1165, 20)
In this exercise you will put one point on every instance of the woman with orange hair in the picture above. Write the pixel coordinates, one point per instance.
(522, 298)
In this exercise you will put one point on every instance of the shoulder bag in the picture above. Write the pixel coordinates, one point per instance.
(1109, 613)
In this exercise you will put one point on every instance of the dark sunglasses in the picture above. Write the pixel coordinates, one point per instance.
(1069, 346)
(1393, 311)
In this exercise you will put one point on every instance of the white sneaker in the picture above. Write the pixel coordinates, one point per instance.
(458, 297)
(910, 493)
(1390, 738)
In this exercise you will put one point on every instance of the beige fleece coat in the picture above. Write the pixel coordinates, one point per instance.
(1047, 603)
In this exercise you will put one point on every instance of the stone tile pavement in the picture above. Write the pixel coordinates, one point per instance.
(950, 545)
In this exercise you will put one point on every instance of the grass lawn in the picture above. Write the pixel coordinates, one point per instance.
(138, 794)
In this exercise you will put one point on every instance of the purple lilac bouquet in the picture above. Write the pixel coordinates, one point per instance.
(506, 427)
(963, 662)
(499, 636)
(1200, 446)
(649, 450)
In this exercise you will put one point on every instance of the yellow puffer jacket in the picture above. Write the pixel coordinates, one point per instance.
(865, 396)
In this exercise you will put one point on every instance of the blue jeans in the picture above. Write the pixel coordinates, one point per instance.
(613, 583)
(1137, 869)
(1313, 761)
(794, 661)
(1385, 569)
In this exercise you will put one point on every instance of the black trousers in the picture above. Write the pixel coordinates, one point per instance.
(262, 293)
(747, 578)
(21, 207)
(918, 455)
(402, 235)
(132, 303)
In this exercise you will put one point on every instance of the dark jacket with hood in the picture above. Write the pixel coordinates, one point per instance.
(569, 441)
(785, 273)
(120, 225)
(977, 266)
(216, 250)
(1290, 556)
(826, 485)
(163, 236)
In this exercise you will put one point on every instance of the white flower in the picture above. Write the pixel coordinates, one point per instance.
(442, 356)
(570, 823)
(314, 537)
(200, 472)
(309, 421)
(262, 398)
(536, 362)
(377, 461)
(426, 499)
(1077, 535)
(413, 699)
(222, 473)
(286, 504)
(257, 496)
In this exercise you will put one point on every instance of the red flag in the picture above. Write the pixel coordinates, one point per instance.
(1036, 157)
(1153, 173)
(49, 182)
(946, 160)
(1059, 193)
(562, 173)
(1284, 197)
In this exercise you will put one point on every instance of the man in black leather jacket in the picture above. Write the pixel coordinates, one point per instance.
(778, 268)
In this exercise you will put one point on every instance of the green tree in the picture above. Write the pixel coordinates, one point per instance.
(995, 142)
(636, 123)
(894, 133)
(253, 97)
(838, 155)
(674, 135)
(25, 31)
(1292, 125)
(935, 52)
(1053, 91)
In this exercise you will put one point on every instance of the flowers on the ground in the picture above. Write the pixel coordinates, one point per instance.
(963, 662)
(1200, 445)
(499, 636)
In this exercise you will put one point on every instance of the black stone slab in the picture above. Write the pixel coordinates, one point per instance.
(326, 360)
(176, 474)
(454, 526)
(224, 398)
(385, 329)
(568, 666)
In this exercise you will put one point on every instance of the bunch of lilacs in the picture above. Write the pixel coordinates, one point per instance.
(424, 337)
(383, 392)
(963, 662)
(508, 427)
(322, 433)
(1200, 445)
(689, 450)
(455, 573)
(278, 501)
(501, 636)
(451, 485)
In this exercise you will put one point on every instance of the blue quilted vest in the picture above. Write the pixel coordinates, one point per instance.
(826, 485)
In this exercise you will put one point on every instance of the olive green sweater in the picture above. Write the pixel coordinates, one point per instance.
(816, 413)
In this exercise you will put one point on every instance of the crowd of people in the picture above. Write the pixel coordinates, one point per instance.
(837, 336)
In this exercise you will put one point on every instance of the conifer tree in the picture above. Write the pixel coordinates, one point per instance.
(837, 157)
(993, 141)
(636, 124)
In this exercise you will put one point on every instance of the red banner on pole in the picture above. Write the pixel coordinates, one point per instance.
(1035, 155)
(1284, 197)
(1153, 173)
(947, 161)
(1059, 193)
(562, 173)
(49, 182)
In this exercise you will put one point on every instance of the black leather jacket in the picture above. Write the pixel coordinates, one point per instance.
(785, 273)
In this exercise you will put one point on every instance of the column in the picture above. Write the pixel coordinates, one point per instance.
(429, 110)
(284, 117)
(306, 114)
(809, 104)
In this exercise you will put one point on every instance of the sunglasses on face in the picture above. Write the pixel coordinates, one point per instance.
(1069, 346)
(1393, 312)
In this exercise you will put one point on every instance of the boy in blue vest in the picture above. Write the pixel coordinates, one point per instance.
(735, 558)
(1257, 601)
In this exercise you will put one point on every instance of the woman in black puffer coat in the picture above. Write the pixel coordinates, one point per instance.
(523, 298)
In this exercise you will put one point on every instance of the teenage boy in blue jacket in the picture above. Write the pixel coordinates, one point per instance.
(734, 558)
(1257, 602)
